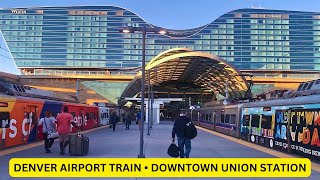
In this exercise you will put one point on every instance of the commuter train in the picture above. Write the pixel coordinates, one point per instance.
(277, 124)
(21, 107)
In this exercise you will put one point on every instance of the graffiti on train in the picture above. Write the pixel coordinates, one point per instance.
(303, 131)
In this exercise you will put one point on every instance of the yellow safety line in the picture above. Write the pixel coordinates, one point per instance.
(315, 166)
(28, 146)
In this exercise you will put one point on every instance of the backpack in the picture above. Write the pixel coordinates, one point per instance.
(190, 131)
(173, 150)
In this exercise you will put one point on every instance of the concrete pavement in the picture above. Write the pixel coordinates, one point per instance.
(125, 143)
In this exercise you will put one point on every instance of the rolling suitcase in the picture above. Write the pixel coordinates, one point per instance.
(79, 145)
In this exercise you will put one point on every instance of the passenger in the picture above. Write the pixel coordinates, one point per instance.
(178, 128)
(138, 117)
(127, 119)
(48, 124)
(64, 121)
(114, 120)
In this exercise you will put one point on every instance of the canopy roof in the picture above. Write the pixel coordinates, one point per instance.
(183, 71)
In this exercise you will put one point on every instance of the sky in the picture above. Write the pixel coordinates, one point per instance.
(176, 14)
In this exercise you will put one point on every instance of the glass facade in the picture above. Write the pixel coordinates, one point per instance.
(7, 63)
(89, 36)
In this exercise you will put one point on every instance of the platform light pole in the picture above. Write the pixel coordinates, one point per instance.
(148, 133)
(144, 31)
(152, 101)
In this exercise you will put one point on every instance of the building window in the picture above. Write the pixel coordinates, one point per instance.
(39, 11)
(119, 13)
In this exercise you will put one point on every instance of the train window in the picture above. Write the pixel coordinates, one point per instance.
(222, 118)
(227, 118)
(87, 115)
(245, 120)
(210, 117)
(255, 120)
(15, 87)
(310, 85)
(207, 117)
(73, 114)
(266, 122)
(107, 115)
(54, 114)
(91, 115)
(4, 119)
(233, 119)
(304, 86)
(22, 89)
(19, 88)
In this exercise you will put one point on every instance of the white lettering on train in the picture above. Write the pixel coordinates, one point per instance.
(13, 129)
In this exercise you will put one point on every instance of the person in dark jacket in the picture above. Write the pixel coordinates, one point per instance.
(127, 120)
(114, 120)
(178, 129)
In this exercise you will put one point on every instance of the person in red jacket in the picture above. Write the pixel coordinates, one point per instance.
(64, 121)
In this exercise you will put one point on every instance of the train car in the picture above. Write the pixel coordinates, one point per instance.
(223, 119)
(85, 116)
(19, 118)
(284, 123)
(104, 116)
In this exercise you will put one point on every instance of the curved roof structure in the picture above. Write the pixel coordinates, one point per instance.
(183, 70)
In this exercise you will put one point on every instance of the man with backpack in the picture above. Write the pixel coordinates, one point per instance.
(185, 131)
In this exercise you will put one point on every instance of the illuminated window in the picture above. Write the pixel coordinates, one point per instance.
(39, 11)
(238, 15)
(119, 13)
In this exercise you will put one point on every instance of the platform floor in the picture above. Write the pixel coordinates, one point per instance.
(125, 143)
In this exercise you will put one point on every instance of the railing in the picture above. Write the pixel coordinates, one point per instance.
(298, 75)
(68, 72)
(124, 73)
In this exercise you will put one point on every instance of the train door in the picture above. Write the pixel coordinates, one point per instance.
(100, 116)
(107, 116)
(4, 121)
(103, 116)
(31, 112)
(83, 118)
(214, 120)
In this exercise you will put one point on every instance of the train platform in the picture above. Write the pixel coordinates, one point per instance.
(125, 143)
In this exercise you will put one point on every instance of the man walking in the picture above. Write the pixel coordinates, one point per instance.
(178, 128)
(114, 120)
(64, 121)
(127, 119)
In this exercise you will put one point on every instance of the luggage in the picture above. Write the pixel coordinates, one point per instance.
(52, 135)
(190, 131)
(173, 150)
(79, 145)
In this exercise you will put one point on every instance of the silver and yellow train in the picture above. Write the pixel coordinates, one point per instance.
(277, 124)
